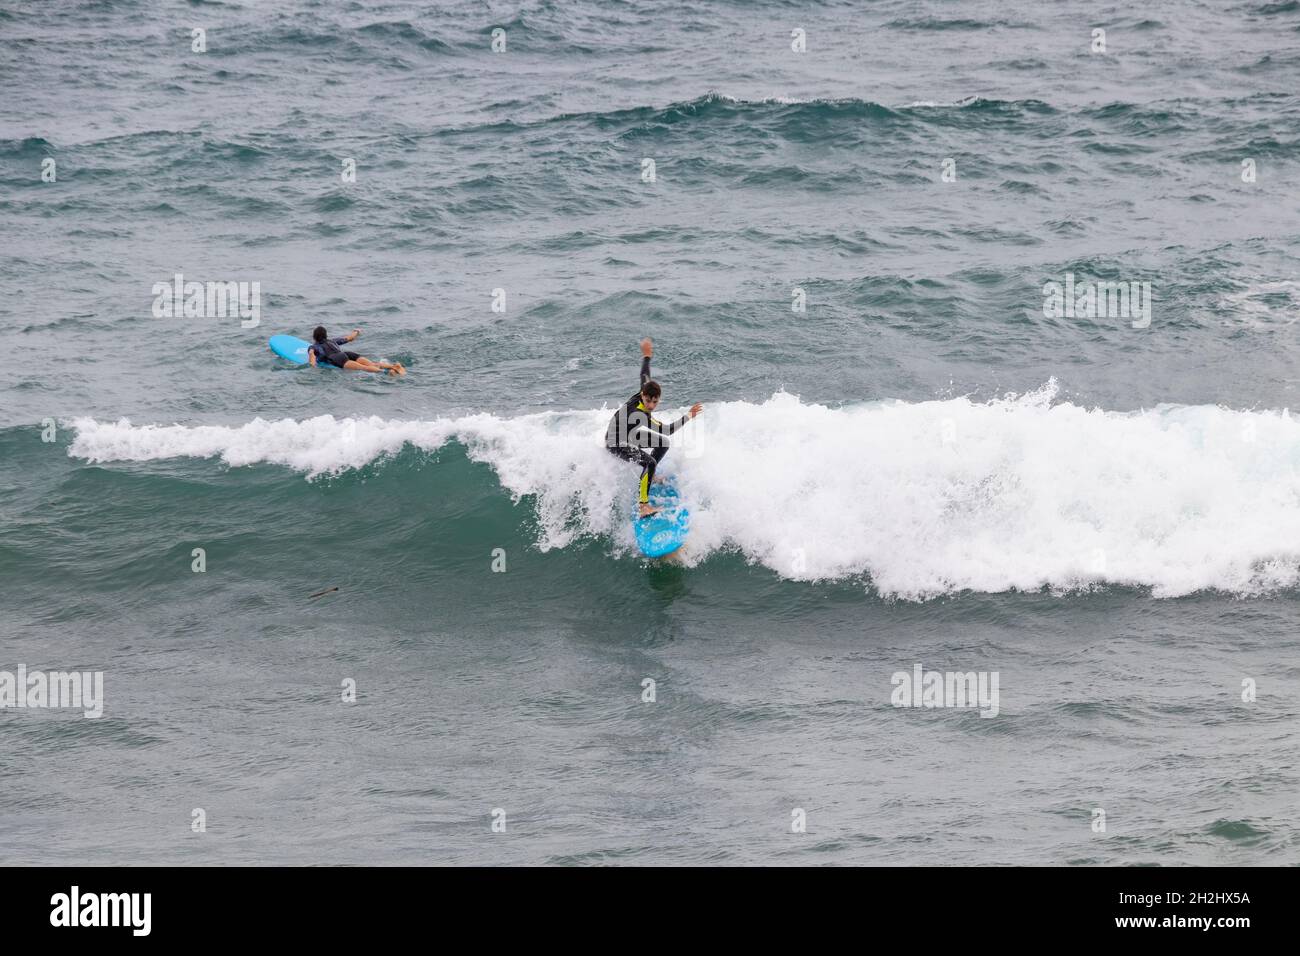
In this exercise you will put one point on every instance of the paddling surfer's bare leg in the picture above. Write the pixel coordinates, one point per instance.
(356, 366)
(364, 364)
(395, 368)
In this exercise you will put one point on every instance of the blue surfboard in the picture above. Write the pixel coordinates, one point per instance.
(665, 531)
(294, 349)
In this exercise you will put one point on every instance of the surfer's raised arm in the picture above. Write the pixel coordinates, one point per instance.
(647, 350)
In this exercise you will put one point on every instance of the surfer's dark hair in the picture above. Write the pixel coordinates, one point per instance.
(651, 389)
(318, 333)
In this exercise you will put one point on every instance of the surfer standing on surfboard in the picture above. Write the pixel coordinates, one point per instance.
(326, 349)
(633, 429)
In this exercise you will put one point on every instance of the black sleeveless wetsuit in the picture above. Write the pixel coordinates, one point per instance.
(329, 351)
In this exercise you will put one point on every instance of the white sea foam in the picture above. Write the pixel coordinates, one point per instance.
(925, 498)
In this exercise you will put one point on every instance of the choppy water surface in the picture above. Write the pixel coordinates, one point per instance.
(920, 468)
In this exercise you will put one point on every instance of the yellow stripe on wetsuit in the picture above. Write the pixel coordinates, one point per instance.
(645, 472)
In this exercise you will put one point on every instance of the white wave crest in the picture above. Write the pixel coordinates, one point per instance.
(925, 498)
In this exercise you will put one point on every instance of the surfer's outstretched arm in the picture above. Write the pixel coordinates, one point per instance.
(663, 431)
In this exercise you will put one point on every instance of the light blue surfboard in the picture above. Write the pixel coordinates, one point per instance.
(294, 349)
(665, 531)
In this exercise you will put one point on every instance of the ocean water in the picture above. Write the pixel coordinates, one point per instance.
(920, 468)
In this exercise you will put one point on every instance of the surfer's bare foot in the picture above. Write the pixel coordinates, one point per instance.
(645, 511)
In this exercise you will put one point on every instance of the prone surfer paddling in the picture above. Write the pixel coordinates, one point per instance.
(633, 429)
(326, 349)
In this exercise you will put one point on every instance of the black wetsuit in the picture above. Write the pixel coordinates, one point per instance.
(329, 351)
(632, 430)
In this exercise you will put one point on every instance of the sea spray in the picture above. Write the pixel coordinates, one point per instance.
(919, 499)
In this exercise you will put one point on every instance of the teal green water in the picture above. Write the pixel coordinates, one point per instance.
(921, 468)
